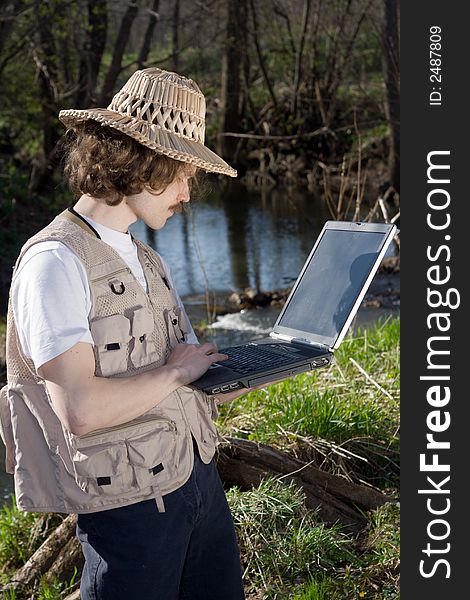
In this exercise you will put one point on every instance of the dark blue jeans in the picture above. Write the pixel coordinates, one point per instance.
(189, 552)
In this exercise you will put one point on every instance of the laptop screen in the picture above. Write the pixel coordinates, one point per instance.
(332, 281)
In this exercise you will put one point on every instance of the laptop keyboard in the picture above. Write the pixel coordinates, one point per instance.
(251, 358)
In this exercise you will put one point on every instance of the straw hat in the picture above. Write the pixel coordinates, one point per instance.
(161, 110)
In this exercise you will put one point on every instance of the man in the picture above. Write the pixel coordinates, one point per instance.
(97, 416)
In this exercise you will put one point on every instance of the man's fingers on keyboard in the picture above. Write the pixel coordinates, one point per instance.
(209, 348)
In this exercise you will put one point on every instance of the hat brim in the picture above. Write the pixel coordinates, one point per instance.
(164, 142)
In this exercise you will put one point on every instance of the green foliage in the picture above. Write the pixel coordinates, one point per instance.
(318, 589)
(46, 591)
(384, 534)
(56, 590)
(16, 544)
(281, 542)
(21, 533)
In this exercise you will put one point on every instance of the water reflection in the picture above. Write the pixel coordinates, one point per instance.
(237, 238)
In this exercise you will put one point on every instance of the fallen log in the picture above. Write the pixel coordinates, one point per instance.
(69, 561)
(244, 463)
(44, 558)
(241, 463)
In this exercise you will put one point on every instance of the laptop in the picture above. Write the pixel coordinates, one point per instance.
(316, 314)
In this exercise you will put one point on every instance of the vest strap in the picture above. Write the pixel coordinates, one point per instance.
(72, 215)
(158, 498)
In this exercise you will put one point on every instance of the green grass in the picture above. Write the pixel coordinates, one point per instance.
(345, 414)
(289, 553)
(346, 418)
(347, 421)
(45, 591)
(18, 539)
(315, 590)
(281, 541)
(21, 534)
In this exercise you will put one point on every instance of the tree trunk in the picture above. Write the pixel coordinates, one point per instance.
(92, 53)
(298, 59)
(45, 56)
(260, 54)
(147, 42)
(392, 84)
(176, 36)
(232, 62)
(118, 52)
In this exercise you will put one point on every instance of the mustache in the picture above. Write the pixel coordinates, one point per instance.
(178, 208)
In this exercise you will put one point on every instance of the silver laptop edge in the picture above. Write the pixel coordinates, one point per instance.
(324, 342)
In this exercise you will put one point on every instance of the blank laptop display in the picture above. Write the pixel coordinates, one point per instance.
(317, 313)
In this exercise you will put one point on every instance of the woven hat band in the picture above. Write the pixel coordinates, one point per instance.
(163, 102)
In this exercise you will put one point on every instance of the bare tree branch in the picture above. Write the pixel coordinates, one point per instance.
(260, 54)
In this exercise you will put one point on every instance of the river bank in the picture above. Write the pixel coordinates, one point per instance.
(242, 313)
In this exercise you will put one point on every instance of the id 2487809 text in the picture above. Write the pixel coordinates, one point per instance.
(435, 65)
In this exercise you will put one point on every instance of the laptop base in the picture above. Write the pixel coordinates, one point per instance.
(219, 379)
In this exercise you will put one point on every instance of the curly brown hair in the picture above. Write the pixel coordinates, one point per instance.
(105, 163)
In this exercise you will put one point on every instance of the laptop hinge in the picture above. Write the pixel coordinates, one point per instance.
(304, 342)
(300, 341)
(280, 336)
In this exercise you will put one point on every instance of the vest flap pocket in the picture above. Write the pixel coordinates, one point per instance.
(152, 453)
(147, 452)
(103, 469)
(125, 458)
(108, 330)
(111, 336)
(142, 322)
(144, 351)
(107, 269)
(101, 460)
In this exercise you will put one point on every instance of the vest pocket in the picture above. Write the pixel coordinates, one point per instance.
(177, 324)
(123, 459)
(111, 336)
(144, 351)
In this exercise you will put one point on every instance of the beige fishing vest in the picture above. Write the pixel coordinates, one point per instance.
(133, 331)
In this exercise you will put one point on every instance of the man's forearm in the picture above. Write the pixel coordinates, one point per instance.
(105, 402)
(84, 402)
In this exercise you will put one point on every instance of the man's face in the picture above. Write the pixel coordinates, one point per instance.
(155, 209)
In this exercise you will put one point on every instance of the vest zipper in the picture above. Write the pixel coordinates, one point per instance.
(155, 269)
(140, 421)
(109, 275)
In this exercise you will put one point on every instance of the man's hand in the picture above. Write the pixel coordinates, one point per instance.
(193, 360)
(84, 402)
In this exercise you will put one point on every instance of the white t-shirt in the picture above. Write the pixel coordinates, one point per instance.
(51, 297)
